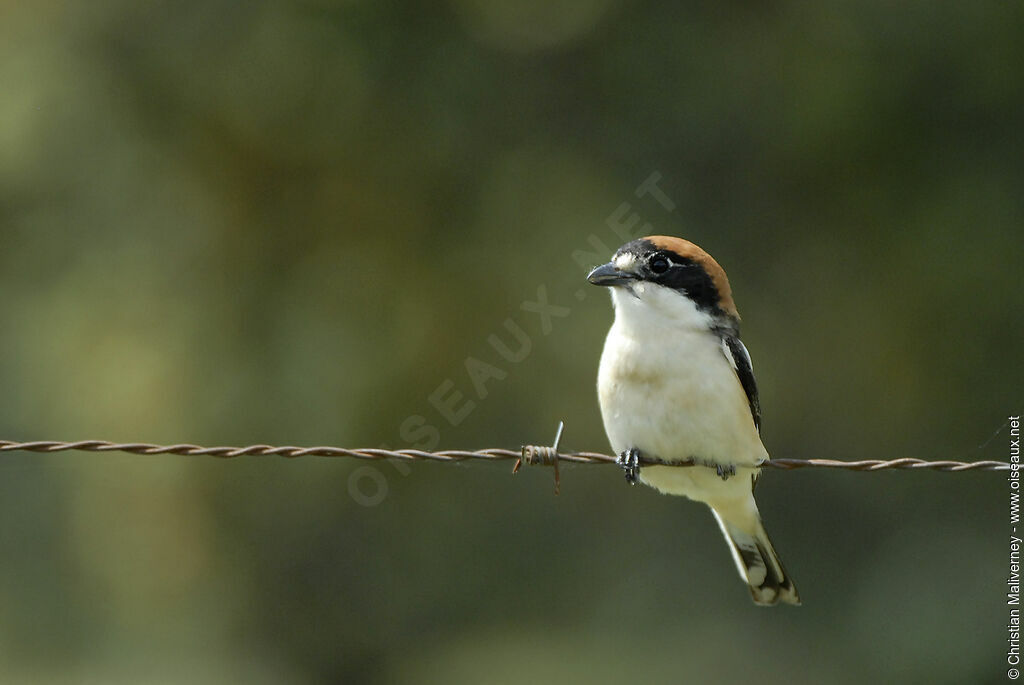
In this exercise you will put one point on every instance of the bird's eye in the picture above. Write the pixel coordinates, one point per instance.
(658, 264)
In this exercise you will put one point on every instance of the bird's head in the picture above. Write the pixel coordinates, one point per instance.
(670, 277)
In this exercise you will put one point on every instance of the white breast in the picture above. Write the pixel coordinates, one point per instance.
(667, 388)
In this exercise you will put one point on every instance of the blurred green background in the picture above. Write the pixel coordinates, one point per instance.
(292, 223)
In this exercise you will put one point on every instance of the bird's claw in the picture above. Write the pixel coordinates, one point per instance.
(629, 461)
(724, 470)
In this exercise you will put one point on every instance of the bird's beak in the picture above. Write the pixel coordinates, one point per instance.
(608, 275)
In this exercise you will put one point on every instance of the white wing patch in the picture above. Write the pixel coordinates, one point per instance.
(728, 354)
(732, 360)
(746, 355)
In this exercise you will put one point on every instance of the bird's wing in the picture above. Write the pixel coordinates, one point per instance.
(738, 356)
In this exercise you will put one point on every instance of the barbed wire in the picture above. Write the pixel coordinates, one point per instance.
(530, 454)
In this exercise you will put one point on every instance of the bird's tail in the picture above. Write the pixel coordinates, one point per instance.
(755, 558)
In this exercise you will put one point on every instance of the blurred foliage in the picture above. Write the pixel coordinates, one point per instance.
(292, 222)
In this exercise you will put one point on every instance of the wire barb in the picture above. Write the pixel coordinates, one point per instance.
(539, 454)
(530, 454)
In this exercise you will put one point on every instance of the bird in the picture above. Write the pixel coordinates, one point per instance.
(675, 384)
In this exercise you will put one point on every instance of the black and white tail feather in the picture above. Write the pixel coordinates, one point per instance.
(758, 564)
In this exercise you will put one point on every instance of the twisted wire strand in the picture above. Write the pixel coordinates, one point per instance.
(531, 454)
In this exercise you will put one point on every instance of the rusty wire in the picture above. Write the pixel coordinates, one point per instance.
(531, 454)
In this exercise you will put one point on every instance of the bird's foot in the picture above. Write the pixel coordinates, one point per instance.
(723, 470)
(629, 462)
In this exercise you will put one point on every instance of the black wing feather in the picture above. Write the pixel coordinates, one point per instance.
(745, 371)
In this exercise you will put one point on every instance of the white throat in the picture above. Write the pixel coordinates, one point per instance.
(647, 307)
